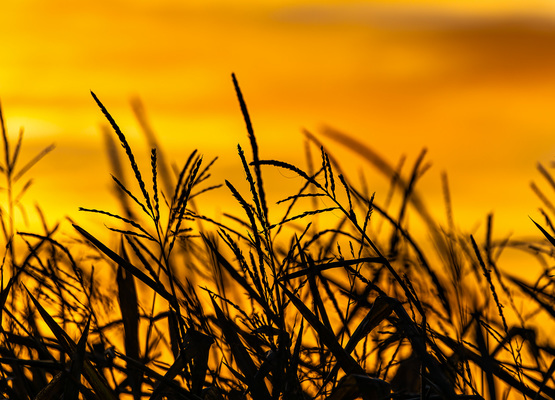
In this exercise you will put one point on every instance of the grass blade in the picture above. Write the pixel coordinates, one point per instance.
(345, 361)
(127, 296)
(73, 384)
(96, 380)
(158, 288)
(545, 233)
(241, 355)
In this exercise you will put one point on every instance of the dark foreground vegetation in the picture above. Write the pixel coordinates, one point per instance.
(332, 299)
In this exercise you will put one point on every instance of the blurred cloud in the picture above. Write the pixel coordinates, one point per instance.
(473, 81)
(415, 15)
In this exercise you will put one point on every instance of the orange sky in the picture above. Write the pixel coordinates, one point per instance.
(474, 82)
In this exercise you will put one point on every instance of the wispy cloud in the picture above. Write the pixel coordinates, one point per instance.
(415, 15)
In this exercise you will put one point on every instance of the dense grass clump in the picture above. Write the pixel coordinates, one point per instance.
(333, 299)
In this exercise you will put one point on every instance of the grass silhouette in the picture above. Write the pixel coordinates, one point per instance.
(334, 299)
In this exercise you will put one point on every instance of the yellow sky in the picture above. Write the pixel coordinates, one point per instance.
(474, 82)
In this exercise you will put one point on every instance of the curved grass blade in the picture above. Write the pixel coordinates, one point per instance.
(54, 390)
(344, 359)
(176, 368)
(335, 264)
(239, 279)
(31, 163)
(381, 309)
(308, 263)
(95, 379)
(304, 214)
(129, 194)
(174, 389)
(496, 368)
(63, 338)
(119, 217)
(5, 292)
(158, 288)
(241, 355)
(195, 353)
(253, 189)
(534, 294)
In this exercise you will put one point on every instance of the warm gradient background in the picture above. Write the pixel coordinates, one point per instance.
(472, 81)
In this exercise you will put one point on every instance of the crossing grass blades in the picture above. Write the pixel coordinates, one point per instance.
(332, 299)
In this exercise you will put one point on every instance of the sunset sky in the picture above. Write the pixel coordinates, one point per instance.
(472, 81)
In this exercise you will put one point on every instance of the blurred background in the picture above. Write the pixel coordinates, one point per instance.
(473, 82)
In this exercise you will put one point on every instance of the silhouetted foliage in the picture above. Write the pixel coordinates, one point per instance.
(335, 299)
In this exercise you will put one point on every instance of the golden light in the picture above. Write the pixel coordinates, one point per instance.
(471, 81)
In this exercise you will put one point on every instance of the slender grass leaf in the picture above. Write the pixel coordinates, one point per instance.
(16, 150)
(241, 355)
(292, 168)
(547, 376)
(293, 387)
(352, 215)
(5, 292)
(31, 163)
(96, 380)
(131, 195)
(175, 391)
(239, 279)
(132, 233)
(126, 220)
(63, 338)
(496, 368)
(303, 215)
(73, 381)
(127, 296)
(194, 354)
(381, 309)
(335, 264)
(345, 361)
(534, 293)
(545, 233)
(158, 288)
(197, 351)
(308, 263)
(482, 347)
(493, 291)
(55, 388)
(176, 368)
(181, 176)
(252, 185)
(173, 329)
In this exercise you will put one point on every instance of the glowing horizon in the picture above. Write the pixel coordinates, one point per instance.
(473, 83)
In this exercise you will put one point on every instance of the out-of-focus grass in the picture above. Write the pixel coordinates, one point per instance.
(324, 295)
